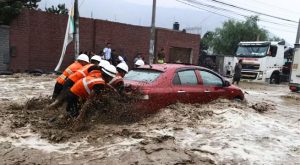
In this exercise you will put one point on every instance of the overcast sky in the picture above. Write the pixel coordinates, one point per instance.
(138, 12)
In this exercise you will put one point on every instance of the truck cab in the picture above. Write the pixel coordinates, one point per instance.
(262, 61)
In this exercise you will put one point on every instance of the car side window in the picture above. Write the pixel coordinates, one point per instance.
(210, 79)
(187, 77)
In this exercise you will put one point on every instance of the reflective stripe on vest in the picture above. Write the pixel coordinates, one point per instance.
(63, 77)
(115, 79)
(82, 72)
(86, 84)
(69, 71)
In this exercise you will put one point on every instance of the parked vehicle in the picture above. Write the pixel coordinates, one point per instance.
(165, 84)
(295, 74)
(262, 61)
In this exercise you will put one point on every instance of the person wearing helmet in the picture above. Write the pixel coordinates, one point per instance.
(73, 78)
(85, 87)
(117, 82)
(139, 63)
(81, 61)
(83, 72)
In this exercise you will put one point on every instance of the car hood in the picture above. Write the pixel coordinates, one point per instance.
(130, 84)
(234, 87)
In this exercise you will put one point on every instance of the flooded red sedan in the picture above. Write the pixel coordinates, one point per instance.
(165, 84)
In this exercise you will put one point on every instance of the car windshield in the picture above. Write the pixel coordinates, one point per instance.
(142, 75)
(252, 50)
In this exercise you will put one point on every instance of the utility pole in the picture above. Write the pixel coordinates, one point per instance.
(76, 33)
(152, 35)
(298, 35)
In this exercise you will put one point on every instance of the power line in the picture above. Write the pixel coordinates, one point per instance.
(81, 3)
(234, 12)
(256, 12)
(221, 14)
(186, 3)
(285, 10)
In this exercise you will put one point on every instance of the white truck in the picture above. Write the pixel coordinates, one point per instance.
(295, 74)
(262, 61)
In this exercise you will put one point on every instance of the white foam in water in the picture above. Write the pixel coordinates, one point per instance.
(244, 136)
(26, 139)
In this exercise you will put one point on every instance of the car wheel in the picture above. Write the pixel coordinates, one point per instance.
(275, 79)
(237, 99)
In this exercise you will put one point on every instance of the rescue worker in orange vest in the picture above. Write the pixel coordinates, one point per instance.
(117, 82)
(87, 70)
(81, 61)
(83, 72)
(86, 86)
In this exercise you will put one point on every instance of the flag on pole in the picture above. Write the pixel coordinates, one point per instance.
(68, 36)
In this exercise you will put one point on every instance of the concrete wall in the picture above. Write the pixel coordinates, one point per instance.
(37, 38)
(4, 47)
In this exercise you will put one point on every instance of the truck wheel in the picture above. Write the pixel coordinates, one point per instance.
(275, 78)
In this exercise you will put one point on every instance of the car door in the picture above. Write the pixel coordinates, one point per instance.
(213, 85)
(186, 86)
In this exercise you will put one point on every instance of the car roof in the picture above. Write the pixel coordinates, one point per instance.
(164, 67)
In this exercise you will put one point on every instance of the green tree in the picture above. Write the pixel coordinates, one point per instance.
(206, 40)
(9, 9)
(226, 39)
(60, 9)
(275, 38)
(31, 4)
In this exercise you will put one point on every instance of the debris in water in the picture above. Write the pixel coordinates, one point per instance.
(263, 107)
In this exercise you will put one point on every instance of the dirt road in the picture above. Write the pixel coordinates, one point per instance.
(264, 130)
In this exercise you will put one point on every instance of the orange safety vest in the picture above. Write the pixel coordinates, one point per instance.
(81, 73)
(95, 73)
(83, 87)
(116, 80)
(70, 70)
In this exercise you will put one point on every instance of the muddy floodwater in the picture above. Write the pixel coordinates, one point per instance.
(265, 129)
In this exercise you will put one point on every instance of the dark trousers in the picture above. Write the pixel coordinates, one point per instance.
(57, 89)
(68, 84)
(236, 79)
(73, 105)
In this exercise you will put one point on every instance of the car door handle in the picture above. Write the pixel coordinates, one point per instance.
(206, 91)
(181, 91)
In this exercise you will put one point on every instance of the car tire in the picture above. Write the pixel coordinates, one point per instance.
(275, 78)
(237, 99)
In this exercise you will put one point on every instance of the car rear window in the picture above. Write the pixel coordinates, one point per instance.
(142, 75)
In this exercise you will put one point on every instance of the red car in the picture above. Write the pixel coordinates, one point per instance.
(165, 84)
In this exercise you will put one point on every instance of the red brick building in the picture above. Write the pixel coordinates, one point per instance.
(36, 40)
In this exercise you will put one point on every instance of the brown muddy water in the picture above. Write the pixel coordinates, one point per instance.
(263, 130)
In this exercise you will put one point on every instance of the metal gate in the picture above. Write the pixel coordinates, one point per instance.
(180, 55)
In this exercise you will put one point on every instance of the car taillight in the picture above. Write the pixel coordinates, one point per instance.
(293, 88)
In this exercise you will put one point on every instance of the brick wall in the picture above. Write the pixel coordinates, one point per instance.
(37, 38)
(4, 47)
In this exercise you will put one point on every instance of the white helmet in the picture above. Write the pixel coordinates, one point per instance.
(96, 58)
(139, 63)
(83, 57)
(121, 59)
(103, 63)
(123, 66)
(110, 70)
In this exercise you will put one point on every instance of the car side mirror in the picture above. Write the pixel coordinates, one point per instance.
(226, 83)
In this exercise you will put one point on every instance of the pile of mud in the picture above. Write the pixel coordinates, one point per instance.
(263, 107)
(109, 109)
(113, 110)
